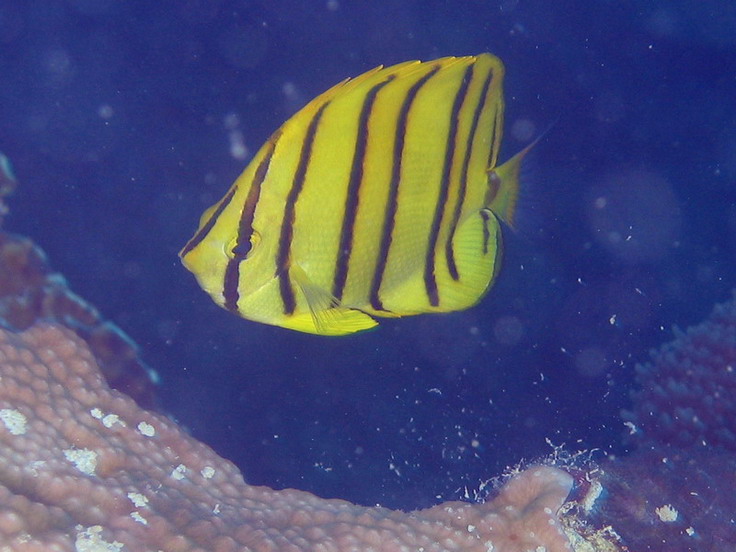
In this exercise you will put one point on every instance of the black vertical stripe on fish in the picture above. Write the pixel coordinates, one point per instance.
(287, 226)
(493, 154)
(430, 279)
(486, 216)
(393, 196)
(352, 200)
(205, 229)
(494, 182)
(245, 231)
(449, 251)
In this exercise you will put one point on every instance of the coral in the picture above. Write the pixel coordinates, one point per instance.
(670, 499)
(82, 467)
(31, 291)
(688, 390)
(674, 492)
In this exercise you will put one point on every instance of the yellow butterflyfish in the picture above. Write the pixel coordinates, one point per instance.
(380, 198)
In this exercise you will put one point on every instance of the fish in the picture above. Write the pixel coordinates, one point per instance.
(380, 198)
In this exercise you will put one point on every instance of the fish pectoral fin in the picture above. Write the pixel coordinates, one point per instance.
(318, 298)
(326, 316)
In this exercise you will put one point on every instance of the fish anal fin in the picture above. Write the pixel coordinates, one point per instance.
(326, 316)
(332, 322)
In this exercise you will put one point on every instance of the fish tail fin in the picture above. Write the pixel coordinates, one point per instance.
(504, 186)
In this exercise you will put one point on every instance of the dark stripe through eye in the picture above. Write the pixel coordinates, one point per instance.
(245, 230)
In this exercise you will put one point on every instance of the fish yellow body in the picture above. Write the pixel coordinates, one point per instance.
(379, 198)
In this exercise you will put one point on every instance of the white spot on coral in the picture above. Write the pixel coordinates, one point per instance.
(208, 472)
(146, 429)
(34, 466)
(90, 540)
(667, 513)
(139, 518)
(690, 531)
(84, 460)
(216, 509)
(138, 500)
(14, 421)
(112, 419)
(179, 472)
(108, 420)
(471, 528)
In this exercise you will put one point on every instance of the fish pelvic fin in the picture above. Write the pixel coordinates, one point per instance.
(326, 316)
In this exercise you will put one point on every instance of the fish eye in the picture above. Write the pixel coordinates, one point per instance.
(241, 250)
(229, 248)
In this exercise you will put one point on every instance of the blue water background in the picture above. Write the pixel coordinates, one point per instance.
(125, 120)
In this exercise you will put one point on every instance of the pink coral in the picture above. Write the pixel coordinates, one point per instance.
(671, 499)
(82, 467)
(675, 492)
(31, 291)
(688, 391)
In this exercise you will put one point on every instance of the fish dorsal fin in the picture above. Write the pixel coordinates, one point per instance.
(326, 316)
(477, 252)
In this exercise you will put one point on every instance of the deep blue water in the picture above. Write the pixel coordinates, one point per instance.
(121, 117)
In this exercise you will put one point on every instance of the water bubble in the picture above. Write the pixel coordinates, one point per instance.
(523, 130)
(635, 215)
